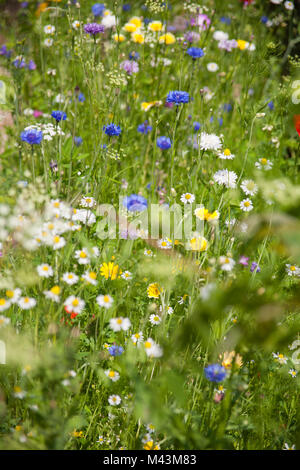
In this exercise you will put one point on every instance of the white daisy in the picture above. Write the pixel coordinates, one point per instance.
(114, 400)
(82, 256)
(44, 270)
(246, 205)
(226, 155)
(155, 319)
(90, 277)
(70, 278)
(137, 338)
(49, 29)
(126, 275)
(226, 177)
(74, 304)
(53, 293)
(164, 244)
(26, 303)
(292, 270)
(212, 67)
(152, 349)
(249, 187)
(187, 198)
(209, 141)
(292, 372)
(87, 201)
(263, 164)
(76, 24)
(120, 323)
(112, 375)
(227, 263)
(48, 42)
(4, 321)
(289, 5)
(13, 295)
(58, 242)
(280, 358)
(105, 301)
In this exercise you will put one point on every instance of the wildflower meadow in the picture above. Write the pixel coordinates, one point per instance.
(149, 225)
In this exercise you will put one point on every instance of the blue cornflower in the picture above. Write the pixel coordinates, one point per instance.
(32, 136)
(81, 97)
(126, 7)
(271, 105)
(112, 129)
(220, 121)
(178, 97)
(134, 55)
(135, 203)
(4, 51)
(215, 372)
(264, 19)
(225, 19)
(227, 107)
(115, 350)
(196, 125)
(144, 128)
(195, 52)
(78, 141)
(163, 143)
(59, 115)
(98, 9)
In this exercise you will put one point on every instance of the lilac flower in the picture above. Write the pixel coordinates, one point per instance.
(254, 267)
(244, 260)
(227, 44)
(203, 21)
(94, 28)
(130, 66)
(191, 36)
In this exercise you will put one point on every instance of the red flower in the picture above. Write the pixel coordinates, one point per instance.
(297, 123)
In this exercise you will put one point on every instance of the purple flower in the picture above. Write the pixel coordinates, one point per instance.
(130, 66)
(191, 36)
(94, 28)
(254, 267)
(244, 260)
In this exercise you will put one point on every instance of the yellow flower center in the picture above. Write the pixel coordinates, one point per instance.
(55, 290)
(227, 152)
(75, 302)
